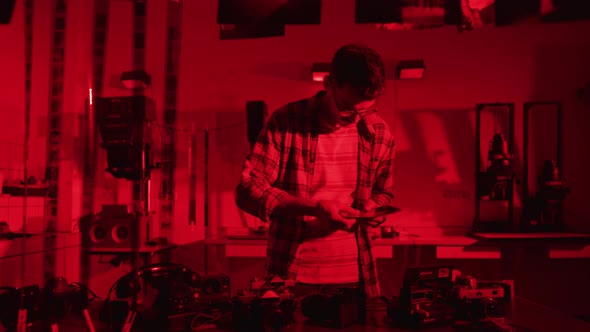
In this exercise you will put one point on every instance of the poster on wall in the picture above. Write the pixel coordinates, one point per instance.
(564, 10)
(434, 170)
(476, 14)
(250, 31)
(240, 19)
(466, 15)
(424, 13)
(510, 12)
(401, 14)
(270, 11)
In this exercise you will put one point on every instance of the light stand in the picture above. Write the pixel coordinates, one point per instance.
(206, 203)
(141, 208)
(495, 178)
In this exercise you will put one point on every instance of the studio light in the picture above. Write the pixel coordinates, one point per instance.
(410, 69)
(136, 79)
(319, 70)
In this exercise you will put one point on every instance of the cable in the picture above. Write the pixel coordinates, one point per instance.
(206, 324)
(85, 288)
(395, 105)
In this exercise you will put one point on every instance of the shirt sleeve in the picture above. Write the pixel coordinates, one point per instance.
(255, 193)
(382, 191)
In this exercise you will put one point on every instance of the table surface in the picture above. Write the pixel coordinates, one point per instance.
(542, 236)
(532, 239)
(456, 240)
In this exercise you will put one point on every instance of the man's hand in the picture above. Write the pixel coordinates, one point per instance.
(374, 233)
(329, 212)
(370, 205)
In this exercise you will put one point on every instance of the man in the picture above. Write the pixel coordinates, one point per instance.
(315, 160)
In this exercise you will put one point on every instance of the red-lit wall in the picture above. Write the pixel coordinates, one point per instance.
(432, 118)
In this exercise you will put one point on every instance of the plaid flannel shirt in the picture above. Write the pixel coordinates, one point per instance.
(281, 163)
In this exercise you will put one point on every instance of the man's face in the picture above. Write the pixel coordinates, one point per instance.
(345, 101)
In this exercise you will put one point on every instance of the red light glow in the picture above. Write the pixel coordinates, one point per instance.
(318, 76)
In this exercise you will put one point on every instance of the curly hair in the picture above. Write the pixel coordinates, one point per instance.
(360, 67)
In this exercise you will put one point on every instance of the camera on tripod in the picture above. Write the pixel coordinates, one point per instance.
(268, 303)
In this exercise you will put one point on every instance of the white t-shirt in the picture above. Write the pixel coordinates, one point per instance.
(328, 255)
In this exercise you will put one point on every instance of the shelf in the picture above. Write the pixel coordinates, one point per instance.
(531, 237)
(402, 240)
(473, 246)
(37, 244)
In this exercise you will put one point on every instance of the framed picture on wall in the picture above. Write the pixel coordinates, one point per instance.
(401, 14)
(250, 31)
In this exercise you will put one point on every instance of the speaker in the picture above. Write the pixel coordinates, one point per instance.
(113, 228)
(256, 114)
(6, 9)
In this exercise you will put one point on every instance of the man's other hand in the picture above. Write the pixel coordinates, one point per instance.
(329, 212)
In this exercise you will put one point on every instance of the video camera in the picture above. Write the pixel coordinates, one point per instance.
(440, 296)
